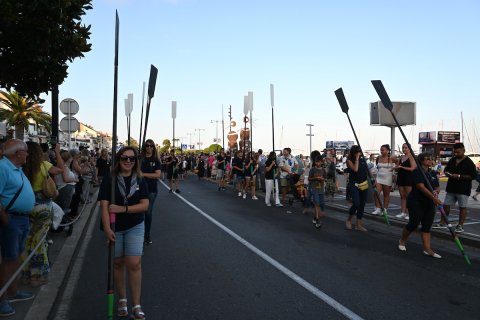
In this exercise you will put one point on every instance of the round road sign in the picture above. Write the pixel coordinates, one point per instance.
(69, 107)
(74, 124)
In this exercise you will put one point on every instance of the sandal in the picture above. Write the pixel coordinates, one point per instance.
(122, 309)
(138, 313)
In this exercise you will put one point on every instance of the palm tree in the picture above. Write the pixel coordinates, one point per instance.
(18, 110)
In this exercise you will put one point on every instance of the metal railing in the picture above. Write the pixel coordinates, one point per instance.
(86, 200)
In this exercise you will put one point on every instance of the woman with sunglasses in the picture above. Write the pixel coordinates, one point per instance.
(151, 172)
(131, 203)
(421, 204)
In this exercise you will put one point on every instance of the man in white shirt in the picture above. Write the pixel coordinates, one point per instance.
(288, 165)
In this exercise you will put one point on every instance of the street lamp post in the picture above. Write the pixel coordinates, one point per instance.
(216, 130)
(273, 122)
(245, 120)
(250, 108)
(310, 135)
(174, 115)
(223, 131)
(128, 113)
(190, 134)
(199, 141)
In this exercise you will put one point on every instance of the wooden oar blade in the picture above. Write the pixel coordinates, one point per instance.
(341, 100)
(382, 94)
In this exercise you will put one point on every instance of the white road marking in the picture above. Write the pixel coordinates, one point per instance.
(299, 280)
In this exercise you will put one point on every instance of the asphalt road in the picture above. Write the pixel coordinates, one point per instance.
(217, 256)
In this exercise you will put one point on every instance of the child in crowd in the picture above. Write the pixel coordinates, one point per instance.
(316, 178)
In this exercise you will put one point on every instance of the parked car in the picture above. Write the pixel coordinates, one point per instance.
(475, 157)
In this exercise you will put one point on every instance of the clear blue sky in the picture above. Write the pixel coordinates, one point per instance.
(210, 53)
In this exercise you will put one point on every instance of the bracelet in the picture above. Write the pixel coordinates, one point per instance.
(458, 177)
(126, 208)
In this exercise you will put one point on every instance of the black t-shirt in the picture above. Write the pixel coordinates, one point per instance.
(237, 162)
(150, 165)
(220, 166)
(269, 174)
(361, 174)
(464, 167)
(103, 167)
(172, 163)
(417, 177)
(125, 221)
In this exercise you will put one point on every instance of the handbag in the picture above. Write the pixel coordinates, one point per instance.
(362, 186)
(49, 188)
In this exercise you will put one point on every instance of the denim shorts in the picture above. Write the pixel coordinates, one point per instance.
(318, 199)
(13, 237)
(130, 242)
(452, 198)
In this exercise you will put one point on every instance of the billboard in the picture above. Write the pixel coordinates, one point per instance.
(404, 111)
(428, 137)
(448, 137)
(339, 144)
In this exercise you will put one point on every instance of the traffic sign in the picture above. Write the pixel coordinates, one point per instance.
(69, 106)
(69, 124)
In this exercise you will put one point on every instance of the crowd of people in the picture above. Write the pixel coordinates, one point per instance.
(35, 178)
(313, 180)
(37, 182)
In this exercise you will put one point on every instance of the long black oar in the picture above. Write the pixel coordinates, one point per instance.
(151, 91)
(387, 103)
(343, 104)
(111, 244)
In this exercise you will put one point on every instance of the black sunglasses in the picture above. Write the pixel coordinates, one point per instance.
(127, 158)
(149, 145)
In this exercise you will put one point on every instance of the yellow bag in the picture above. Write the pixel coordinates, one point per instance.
(362, 185)
(49, 188)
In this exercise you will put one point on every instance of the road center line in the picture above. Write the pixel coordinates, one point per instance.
(299, 280)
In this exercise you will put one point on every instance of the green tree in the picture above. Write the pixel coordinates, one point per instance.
(133, 143)
(37, 39)
(19, 110)
(166, 144)
(213, 148)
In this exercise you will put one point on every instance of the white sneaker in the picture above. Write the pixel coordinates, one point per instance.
(244, 196)
(254, 198)
(269, 204)
(239, 194)
(402, 215)
(377, 211)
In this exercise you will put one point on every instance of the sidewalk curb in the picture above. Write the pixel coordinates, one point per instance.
(46, 297)
(395, 222)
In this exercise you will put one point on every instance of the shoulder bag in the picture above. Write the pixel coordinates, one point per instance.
(49, 188)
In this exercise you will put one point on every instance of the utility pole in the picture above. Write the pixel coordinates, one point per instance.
(310, 135)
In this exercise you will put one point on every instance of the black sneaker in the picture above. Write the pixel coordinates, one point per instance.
(170, 191)
(177, 191)
(148, 240)
(318, 225)
(219, 188)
